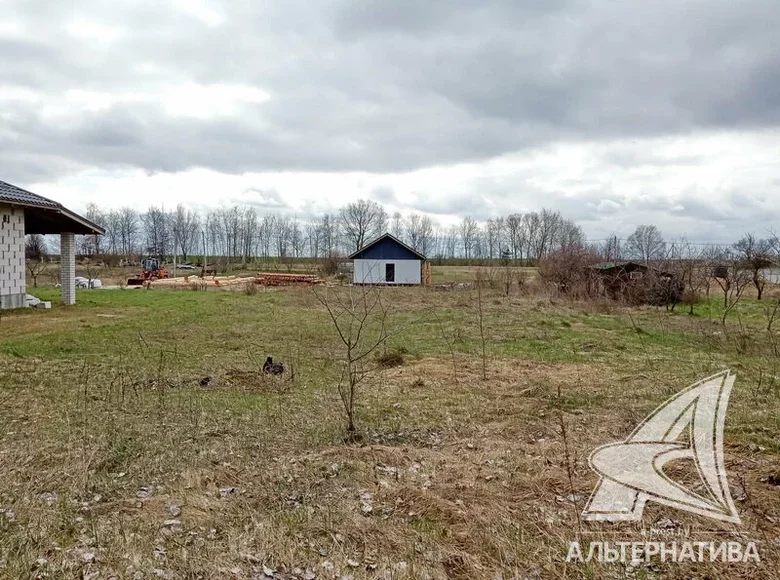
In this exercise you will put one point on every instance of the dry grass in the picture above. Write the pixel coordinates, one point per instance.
(116, 461)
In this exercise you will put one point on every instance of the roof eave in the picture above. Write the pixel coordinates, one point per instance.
(96, 229)
(376, 240)
(66, 221)
(52, 206)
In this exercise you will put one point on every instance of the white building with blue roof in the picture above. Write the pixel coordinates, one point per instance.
(387, 261)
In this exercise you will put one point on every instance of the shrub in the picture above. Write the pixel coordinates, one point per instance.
(568, 270)
(329, 267)
(391, 358)
(663, 290)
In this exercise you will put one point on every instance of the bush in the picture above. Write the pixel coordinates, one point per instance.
(663, 290)
(568, 270)
(329, 267)
(391, 358)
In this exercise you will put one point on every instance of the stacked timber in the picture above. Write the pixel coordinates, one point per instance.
(278, 279)
(209, 281)
(262, 279)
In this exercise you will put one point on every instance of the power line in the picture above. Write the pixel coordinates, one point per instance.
(677, 242)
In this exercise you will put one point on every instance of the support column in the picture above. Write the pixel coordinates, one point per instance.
(68, 268)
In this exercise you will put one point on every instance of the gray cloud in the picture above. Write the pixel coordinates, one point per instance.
(387, 85)
(385, 196)
(391, 86)
(268, 199)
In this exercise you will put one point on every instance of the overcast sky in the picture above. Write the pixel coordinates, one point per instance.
(615, 113)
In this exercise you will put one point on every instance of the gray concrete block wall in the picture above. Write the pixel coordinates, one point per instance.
(12, 265)
(68, 268)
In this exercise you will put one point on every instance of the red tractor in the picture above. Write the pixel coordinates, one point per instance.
(152, 270)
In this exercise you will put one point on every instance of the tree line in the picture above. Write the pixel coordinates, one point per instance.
(241, 233)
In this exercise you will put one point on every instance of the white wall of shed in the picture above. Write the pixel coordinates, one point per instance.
(373, 271)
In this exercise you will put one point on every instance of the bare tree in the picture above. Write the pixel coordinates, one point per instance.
(297, 240)
(35, 267)
(568, 234)
(212, 234)
(230, 222)
(362, 221)
(282, 235)
(419, 232)
(186, 226)
(547, 232)
(755, 255)
(646, 243)
(568, 270)
(35, 252)
(249, 231)
(158, 239)
(397, 225)
(267, 230)
(92, 269)
(54, 275)
(690, 264)
(468, 231)
(93, 244)
(480, 244)
(314, 239)
(493, 231)
(531, 226)
(329, 234)
(514, 227)
(35, 247)
(611, 250)
(128, 229)
(732, 278)
(481, 322)
(112, 225)
(359, 316)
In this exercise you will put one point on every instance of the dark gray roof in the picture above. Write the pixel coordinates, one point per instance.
(44, 216)
(382, 240)
(13, 194)
(612, 265)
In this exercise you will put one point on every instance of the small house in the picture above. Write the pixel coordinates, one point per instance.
(613, 278)
(387, 261)
(635, 283)
(21, 213)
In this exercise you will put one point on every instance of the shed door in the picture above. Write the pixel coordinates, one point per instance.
(389, 272)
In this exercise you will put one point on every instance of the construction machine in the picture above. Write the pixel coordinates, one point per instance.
(152, 270)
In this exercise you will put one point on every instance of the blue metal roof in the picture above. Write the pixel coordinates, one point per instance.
(386, 247)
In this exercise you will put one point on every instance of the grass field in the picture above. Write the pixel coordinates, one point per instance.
(116, 461)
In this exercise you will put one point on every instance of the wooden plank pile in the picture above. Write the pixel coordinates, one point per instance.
(209, 281)
(279, 279)
(262, 279)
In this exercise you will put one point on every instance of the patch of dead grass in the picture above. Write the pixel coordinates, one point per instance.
(465, 477)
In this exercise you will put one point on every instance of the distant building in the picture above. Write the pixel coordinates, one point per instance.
(388, 261)
(616, 278)
(21, 213)
(635, 283)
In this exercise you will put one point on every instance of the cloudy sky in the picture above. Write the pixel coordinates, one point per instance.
(615, 113)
